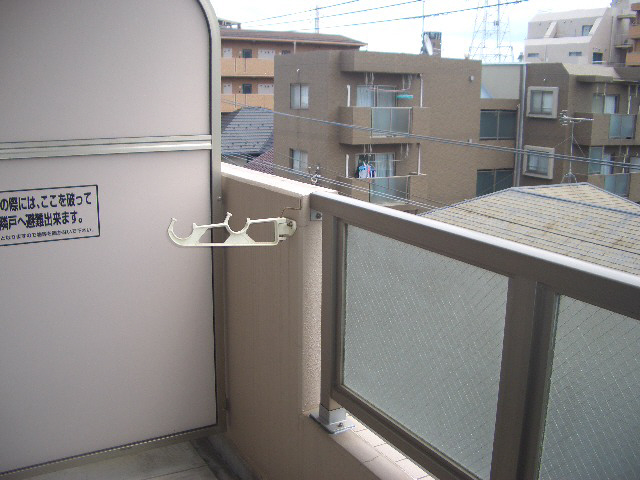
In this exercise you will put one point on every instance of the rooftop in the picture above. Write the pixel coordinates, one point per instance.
(241, 34)
(577, 220)
(248, 131)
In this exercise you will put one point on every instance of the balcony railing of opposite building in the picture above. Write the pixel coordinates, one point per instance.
(476, 356)
(390, 119)
(622, 126)
(386, 190)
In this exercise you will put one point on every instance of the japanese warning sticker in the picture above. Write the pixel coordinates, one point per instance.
(48, 214)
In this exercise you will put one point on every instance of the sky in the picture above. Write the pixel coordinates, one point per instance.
(402, 36)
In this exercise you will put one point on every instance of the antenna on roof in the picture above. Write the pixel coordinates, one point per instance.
(317, 22)
(566, 120)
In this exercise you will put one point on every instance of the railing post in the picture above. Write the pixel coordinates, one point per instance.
(330, 414)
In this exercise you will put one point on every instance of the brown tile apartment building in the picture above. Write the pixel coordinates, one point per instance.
(248, 57)
(607, 100)
(416, 95)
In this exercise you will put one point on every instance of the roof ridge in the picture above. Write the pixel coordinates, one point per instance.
(526, 191)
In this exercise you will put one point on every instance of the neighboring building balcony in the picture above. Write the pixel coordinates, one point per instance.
(382, 125)
(632, 59)
(396, 191)
(232, 102)
(607, 129)
(246, 67)
(634, 31)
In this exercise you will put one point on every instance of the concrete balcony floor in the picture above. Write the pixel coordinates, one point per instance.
(181, 461)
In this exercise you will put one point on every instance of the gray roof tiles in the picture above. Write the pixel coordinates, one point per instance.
(247, 132)
(577, 220)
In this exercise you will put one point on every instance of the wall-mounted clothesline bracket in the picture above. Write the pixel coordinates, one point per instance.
(283, 228)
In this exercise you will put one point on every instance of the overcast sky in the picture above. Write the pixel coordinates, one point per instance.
(393, 36)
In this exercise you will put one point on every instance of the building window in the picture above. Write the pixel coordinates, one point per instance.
(299, 96)
(299, 160)
(285, 52)
(490, 181)
(599, 168)
(497, 125)
(538, 162)
(605, 103)
(586, 30)
(542, 102)
(575, 54)
(598, 57)
(533, 55)
(247, 53)
(246, 88)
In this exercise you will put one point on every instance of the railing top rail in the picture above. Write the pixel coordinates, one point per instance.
(602, 286)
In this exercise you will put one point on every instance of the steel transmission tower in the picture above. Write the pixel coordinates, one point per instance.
(490, 31)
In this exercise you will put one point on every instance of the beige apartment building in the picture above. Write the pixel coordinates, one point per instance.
(248, 58)
(601, 105)
(585, 36)
(380, 114)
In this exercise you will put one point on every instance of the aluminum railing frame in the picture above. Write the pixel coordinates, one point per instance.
(537, 278)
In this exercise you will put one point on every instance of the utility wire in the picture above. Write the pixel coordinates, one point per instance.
(415, 17)
(303, 11)
(446, 141)
(316, 178)
(342, 14)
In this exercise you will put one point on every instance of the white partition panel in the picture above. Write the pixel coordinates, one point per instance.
(106, 326)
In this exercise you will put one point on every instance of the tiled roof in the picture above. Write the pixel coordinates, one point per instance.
(263, 163)
(234, 33)
(248, 131)
(576, 220)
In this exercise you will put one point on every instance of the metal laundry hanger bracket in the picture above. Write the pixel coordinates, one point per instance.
(283, 228)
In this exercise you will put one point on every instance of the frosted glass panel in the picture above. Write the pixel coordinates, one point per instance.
(423, 343)
(593, 422)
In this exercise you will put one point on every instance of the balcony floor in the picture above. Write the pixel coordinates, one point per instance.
(173, 462)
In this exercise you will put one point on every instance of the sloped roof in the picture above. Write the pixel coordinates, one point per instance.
(271, 36)
(576, 220)
(248, 131)
(263, 163)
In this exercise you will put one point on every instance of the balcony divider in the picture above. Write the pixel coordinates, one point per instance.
(442, 340)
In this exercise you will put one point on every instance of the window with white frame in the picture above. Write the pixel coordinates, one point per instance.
(575, 54)
(299, 160)
(299, 96)
(533, 55)
(542, 102)
(538, 162)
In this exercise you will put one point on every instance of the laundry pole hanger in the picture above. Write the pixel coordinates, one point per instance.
(283, 228)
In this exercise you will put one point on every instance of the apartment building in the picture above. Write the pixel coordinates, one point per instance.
(248, 58)
(601, 106)
(383, 108)
(585, 36)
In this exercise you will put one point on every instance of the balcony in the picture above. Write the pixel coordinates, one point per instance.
(634, 31)
(383, 125)
(606, 129)
(390, 191)
(232, 102)
(633, 59)
(246, 67)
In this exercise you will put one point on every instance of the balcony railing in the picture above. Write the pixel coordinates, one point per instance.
(622, 126)
(246, 67)
(386, 190)
(476, 356)
(389, 120)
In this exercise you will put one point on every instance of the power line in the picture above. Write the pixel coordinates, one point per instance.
(446, 141)
(303, 11)
(344, 13)
(415, 17)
